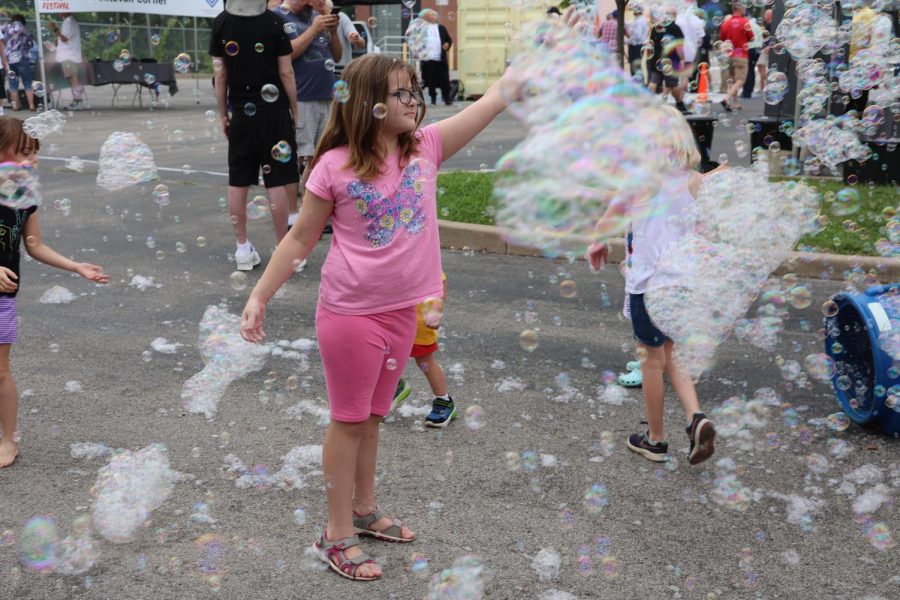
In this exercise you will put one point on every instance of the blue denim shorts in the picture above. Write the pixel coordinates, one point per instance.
(644, 330)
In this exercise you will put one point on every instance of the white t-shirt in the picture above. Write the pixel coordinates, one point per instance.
(345, 28)
(433, 47)
(692, 27)
(70, 50)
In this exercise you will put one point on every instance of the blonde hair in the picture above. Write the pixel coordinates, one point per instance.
(352, 123)
(676, 140)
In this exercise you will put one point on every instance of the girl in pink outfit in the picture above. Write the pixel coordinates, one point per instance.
(374, 176)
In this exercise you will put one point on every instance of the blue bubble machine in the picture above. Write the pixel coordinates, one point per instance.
(866, 379)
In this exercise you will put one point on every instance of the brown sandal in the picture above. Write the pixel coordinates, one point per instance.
(392, 533)
(328, 551)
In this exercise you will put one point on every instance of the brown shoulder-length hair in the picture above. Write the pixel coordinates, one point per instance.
(352, 123)
(13, 137)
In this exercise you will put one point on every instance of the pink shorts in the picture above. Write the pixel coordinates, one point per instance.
(364, 357)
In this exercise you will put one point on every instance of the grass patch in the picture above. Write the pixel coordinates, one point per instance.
(465, 197)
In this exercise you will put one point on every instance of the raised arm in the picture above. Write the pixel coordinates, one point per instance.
(461, 128)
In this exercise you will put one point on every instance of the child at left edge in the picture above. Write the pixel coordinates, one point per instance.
(17, 146)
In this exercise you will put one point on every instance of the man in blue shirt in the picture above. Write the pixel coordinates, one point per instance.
(316, 51)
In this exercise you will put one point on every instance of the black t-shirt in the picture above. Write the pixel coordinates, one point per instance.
(250, 47)
(12, 225)
(665, 42)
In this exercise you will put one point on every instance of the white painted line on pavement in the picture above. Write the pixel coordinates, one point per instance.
(166, 169)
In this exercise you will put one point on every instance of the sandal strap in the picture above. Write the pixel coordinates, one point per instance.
(327, 545)
(337, 549)
(363, 522)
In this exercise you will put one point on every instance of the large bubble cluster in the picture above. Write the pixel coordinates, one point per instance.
(125, 161)
(42, 125)
(605, 132)
(226, 356)
(742, 228)
(129, 489)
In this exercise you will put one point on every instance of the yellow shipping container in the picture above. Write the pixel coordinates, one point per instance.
(483, 39)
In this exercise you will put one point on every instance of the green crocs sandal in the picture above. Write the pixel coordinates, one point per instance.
(633, 365)
(402, 393)
(391, 533)
(631, 379)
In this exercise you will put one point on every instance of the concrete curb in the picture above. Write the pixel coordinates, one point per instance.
(811, 265)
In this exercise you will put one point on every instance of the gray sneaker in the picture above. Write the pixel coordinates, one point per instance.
(246, 260)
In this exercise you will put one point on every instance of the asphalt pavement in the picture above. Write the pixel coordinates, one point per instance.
(536, 462)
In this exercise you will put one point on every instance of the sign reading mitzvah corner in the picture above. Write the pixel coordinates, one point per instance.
(175, 8)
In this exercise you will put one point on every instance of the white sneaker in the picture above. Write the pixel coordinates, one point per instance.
(246, 259)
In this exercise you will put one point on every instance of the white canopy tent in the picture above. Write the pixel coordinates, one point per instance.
(175, 8)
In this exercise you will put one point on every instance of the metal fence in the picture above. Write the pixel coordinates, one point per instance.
(162, 42)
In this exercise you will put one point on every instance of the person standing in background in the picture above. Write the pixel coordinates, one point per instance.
(258, 123)
(316, 52)
(754, 51)
(435, 68)
(608, 30)
(692, 27)
(736, 30)
(637, 32)
(18, 63)
(68, 53)
(348, 36)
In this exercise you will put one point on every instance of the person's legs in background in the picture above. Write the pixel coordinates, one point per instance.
(444, 82)
(429, 78)
(750, 82)
(70, 72)
(740, 75)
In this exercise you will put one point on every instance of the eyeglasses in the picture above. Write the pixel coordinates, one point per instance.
(407, 96)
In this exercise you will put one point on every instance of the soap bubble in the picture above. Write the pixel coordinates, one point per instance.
(596, 499)
(161, 194)
(249, 109)
(776, 87)
(182, 63)
(226, 357)
(269, 93)
(282, 151)
(341, 91)
(567, 288)
(391, 364)
(259, 47)
(846, 202)
(528, 339)
(474, 417)
(829, 308)
(19, 186)
(329, 64)
(372, 22)
(43, 124)
(129, 489)
(463, 580)
(38, 544)
(155, 39)
(238, 281)
(125, 161)
(257, 208)
(838, 421)
(379, 111)
(300, 516)
(149, 78)
(38, 88)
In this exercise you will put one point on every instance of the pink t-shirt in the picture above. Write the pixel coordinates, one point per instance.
(385, 253)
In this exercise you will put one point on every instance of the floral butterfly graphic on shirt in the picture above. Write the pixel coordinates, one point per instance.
(388, 215)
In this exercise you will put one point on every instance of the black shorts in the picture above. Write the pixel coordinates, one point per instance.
(644, 330)
(657, 77)
(250, 144)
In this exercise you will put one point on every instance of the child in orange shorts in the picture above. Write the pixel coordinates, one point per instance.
(423, 352)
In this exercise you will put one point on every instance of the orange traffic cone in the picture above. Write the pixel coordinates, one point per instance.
(703, 85)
